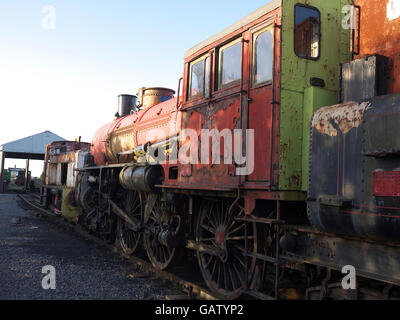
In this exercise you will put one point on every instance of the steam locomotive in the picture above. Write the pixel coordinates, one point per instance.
(305, 96)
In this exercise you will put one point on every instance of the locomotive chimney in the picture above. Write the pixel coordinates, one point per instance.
(148, 97)
(126, 104)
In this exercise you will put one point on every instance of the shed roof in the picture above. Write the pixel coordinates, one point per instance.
(241, 23)
(34, 144)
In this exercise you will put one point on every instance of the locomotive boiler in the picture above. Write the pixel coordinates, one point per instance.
(323, 189)
(155, 118)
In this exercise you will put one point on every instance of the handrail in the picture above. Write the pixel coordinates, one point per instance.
(354, 52)
(179, 89)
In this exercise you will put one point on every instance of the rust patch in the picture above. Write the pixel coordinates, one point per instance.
(294, 180)
(208, 111)
(343, 117)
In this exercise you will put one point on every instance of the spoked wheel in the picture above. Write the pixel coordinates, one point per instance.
(225, 274)
(160, 255)
(128, 238)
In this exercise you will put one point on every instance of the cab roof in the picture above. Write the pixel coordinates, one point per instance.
(241, 23)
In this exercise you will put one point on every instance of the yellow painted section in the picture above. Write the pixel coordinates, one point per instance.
(69, 211)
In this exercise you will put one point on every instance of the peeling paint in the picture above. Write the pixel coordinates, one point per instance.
(343, 117)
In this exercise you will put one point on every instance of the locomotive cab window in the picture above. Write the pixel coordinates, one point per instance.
(199, 81)
(307, 32)
(263, 52)
(230, 64)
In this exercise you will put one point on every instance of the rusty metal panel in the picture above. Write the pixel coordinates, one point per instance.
(51, 176)
(71, 175)
(62, 147)
(380, 34)
(382, 127)
(58, 176)
(223, 114)
(379, 261)
(352, 147)
(335, 160)
(263, 114)
(363, 79)
(338, 119)
(314, 98)
(80, 159)
(260, 120)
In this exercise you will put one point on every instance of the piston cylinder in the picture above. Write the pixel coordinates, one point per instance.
(141, 178)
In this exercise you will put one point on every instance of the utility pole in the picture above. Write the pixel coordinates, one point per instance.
(26, 174)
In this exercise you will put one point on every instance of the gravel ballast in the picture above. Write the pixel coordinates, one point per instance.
(84, 271)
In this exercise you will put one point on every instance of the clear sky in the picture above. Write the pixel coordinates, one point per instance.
(64, 62)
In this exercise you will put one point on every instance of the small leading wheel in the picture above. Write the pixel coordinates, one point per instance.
(128, 238)
(160, 255)
(225, 274)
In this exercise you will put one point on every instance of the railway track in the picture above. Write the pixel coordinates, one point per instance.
(193, 287)
(185, 275)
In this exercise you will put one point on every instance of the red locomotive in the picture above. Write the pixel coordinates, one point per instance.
(276, 200)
